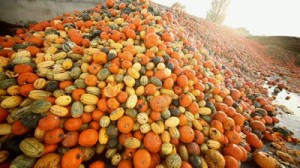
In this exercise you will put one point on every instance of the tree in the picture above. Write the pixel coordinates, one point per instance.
(217, 13)
(178, 7)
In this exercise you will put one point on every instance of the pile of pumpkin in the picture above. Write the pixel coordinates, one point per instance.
(245, 56)
(120, 85)
(225, 43)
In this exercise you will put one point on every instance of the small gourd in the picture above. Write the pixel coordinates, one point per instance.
(132, 143)
(59, 110)
(40, 106)
(62, 76)
(131, 101)
(173, 161)
(77, 109)
(22, 161)
(31, 120)
(195, 161)
(11, 102)
(75, 72)
(63, 100)
(103, 74)
(39, 94)
(39, 83)
(89, 99)
(4, 84)
(48, 160)
(32, 147)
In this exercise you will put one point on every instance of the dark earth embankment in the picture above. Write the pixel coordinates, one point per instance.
(7, 28)
(291, 44)
(286, 42)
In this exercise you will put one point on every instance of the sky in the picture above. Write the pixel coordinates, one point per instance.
(259, 17)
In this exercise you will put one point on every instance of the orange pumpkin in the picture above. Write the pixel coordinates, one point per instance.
(142, 159)
(258, 125)
(254, 141)
(54, 136)
(231, 162)
(185, 100)
(233, 137)
(159, 103)
(187, 134)
(25, 89)
(125, 164)
(73, 124)
(3, 114)
(110, 3)
(264, 160)
(88, 137)
(27, 77)
(152, 142)
(125, 124)
(182, 81)
(234, 151)
(151, 40)
(33, 50)
(18, 128)
(70, 139)
(235, 94)
(97, 164)
(49, 122)
(100, 57)
(22, 68)
(239, 119)
(72, 158)
(199, 137)
(90, 80)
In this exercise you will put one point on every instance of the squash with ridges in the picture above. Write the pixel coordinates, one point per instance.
(40, 106)
(11, 102)
(89, 99)
(32, 147)
(77, 109)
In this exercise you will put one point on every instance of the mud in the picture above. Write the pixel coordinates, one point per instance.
(289, 109)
